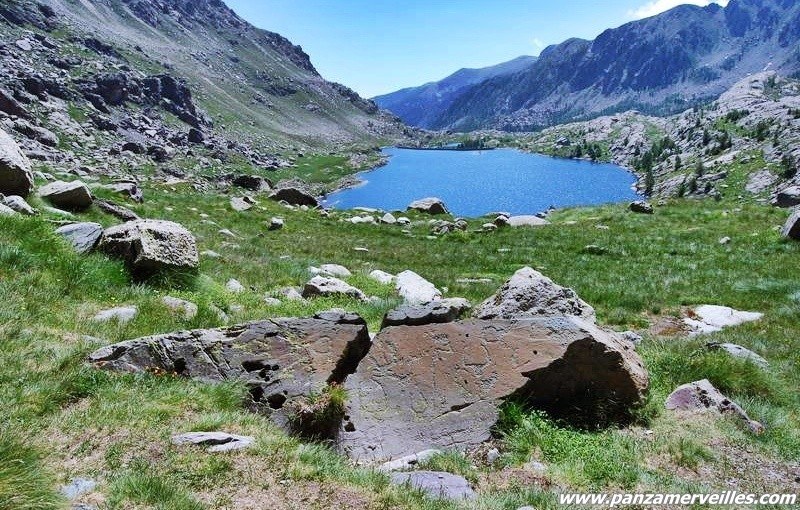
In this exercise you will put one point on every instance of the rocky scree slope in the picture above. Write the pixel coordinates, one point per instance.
(109, 62)
(659, 65)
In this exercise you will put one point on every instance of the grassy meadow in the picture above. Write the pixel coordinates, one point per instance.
(61, 419)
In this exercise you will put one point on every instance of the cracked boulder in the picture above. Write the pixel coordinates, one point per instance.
(530, 294)
(148, 246)
(441, 385)
(280, 360)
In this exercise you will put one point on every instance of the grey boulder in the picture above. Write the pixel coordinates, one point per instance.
(431, 205)
(446, 310)
(787, 197)
(416, 290)
(328, 286)
(16, 176)
(641, 207)
(529, 294)
(82, 236)
(18, 204)
(72, 196)
(148, 246)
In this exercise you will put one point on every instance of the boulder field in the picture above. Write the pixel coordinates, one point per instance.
(419, 384)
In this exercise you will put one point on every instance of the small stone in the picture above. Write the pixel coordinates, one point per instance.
(415, 289)
(240, 204)
(437, 485)
(271, 301)
(737, 351)
(276, 224)
(382, 277)
(77, 488)
(234, 286)
(228, 233)
(180, 306)
(216, 441)
(388, 219)
(408, 461)
(73, 196)
(725, 240)
(211, 254)
(492, 456)
(122, 314)
(291, 294)
(431, 205)
(322, 286)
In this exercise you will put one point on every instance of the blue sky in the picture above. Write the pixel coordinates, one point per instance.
(378, 46)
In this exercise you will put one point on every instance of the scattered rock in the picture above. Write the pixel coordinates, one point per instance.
(408, 462)
(737, 351)
(216, 441)
(791, 229)
(77, 488)
(294, 196)
(527, 221)
(241, 204)
(333, 270)
(760, 181)
(72, 196)
(128, 189)
(436, 485)
(440, 385)
(641, 207)
(180, 306)
(271, 301)
(702, 395)
(431, 205)
(122, 314)
(16, 176)
(382, 277)
(82, 236)
(530, 294)
(116, 210)
(276, 224)
(632, 337)
(6, 211)
(234, 286)
(291, 294)
(18, 204)
(725, 240)
(388, 219)
(148, 246)
(280, 360)
(712, 318)
(415, 289)
(325, 286)
(446, 310)
(488, 227)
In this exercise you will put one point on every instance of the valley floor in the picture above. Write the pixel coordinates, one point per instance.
(61, 419)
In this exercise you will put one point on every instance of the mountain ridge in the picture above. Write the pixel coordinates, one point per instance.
(661, 65)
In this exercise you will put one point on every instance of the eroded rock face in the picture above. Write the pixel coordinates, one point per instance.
(530, 294)
(279, 359)
(446, 310)
(148, 246)
(16, 176)
(791, 229)
(440, 385)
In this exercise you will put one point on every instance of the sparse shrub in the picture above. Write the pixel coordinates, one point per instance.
(689, 454)
(24, 485)
(319, 415)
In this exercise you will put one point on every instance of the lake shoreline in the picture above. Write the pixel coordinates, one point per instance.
(573, 192)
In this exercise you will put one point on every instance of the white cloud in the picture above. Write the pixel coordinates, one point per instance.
(659, 6)
(538, 44)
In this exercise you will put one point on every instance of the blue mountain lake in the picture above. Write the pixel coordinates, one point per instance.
(473, 183)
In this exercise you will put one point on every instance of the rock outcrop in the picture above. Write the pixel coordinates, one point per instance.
(530, 294)
(440, 385)
(280, 360)
(149, 246)
(791, 229)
